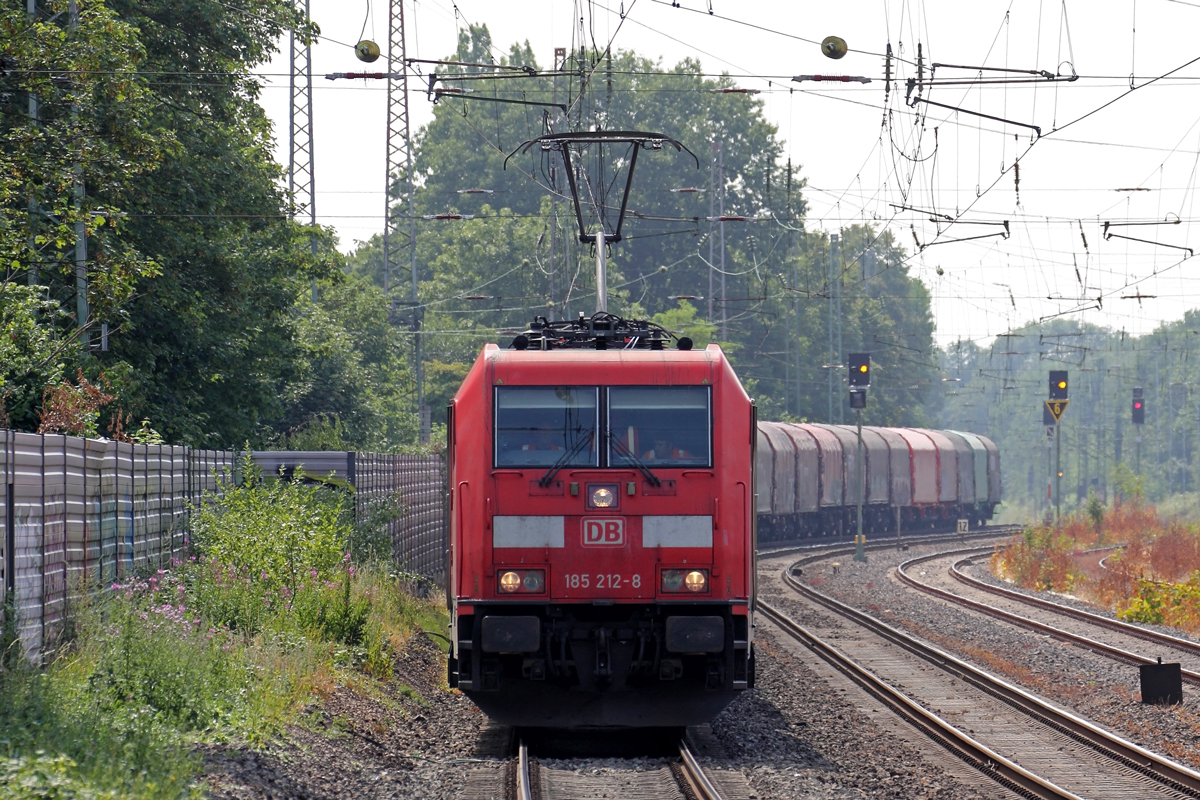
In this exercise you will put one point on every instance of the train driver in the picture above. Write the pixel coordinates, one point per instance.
(665, 450)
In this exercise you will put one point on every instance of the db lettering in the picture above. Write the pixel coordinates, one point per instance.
(603, 532)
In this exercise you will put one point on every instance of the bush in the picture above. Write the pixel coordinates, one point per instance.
(274, 533)
(226, 644)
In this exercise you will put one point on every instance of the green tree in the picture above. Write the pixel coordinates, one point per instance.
(76, 131)
(483, 278)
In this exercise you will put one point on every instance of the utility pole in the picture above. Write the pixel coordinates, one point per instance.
(400, 168)
(560, 55)
(32, 275)
(81, 281)
(838, 289)
(835, 356)
(712, 213)
(1057, 472)
(721, 178)
(301, 175)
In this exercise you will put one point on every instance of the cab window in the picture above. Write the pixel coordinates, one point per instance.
(544, 426)
(667, 426)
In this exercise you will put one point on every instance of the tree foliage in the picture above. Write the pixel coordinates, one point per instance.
(492, 274)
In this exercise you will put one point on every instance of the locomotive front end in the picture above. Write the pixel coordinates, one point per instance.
(602, 543)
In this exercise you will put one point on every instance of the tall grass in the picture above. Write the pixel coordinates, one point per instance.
(225, 645)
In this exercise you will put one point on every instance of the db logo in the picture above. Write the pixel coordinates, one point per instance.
(603, 532)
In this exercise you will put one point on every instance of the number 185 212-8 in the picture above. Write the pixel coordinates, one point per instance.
(602, 580)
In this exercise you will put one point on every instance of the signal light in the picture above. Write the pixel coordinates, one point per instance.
(1058, 384)
(860, 369)
(1139, 411)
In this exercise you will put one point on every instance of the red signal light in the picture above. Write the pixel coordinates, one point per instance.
(1137, 404)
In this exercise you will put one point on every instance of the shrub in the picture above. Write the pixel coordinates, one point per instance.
(1039, 559)
(275, 532)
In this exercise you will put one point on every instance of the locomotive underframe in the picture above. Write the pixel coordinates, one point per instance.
(617, 665)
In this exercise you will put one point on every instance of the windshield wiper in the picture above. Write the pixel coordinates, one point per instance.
(637, 462)
(548, 478)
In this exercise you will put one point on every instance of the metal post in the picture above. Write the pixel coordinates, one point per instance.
(601, 276)
(721, 179)
(860, 540)
(32, 275)
(837, 287)
(81, 282)
(560, 55)
(1057, 472)
(712, 201)
(833, 358)
(301, 175)
(897, 527)
(400, 167)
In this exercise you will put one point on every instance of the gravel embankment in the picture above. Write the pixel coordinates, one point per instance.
(792, 736)
(1102, 690)
(795, 736)
(414, 739)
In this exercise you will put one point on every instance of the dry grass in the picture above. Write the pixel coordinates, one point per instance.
(1154, 577)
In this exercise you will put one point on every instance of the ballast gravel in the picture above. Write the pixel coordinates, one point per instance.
(1097, 688)
(794, 736)
(412, 739)
(790, 737)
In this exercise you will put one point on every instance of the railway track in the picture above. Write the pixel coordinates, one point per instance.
(944, 578)
(824, 548)
(1034, 749)
(680, 779)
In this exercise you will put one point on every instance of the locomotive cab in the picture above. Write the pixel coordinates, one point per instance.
(602, 530)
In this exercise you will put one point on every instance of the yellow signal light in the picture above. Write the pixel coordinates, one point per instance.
(863, 368)
(1062, 384)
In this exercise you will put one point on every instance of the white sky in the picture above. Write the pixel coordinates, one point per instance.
(1070, 179)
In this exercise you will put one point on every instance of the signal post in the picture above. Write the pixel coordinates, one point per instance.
(1055, 407)
(1138, 409)
(860, 380)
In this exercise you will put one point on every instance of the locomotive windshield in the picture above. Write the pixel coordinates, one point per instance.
(546, 426)
(665, 426)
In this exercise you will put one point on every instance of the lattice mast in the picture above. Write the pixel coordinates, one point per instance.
(301, 175)
(400, 229)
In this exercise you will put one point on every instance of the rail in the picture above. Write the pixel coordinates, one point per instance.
(1130, 755)
(1041, 627)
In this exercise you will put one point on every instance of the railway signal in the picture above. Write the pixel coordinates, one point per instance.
(860, 378)
(1058, 384)
(860, 369)
(1139, 407)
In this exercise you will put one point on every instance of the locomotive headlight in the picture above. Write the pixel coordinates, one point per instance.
(528, 581)
(510, 582)
(685, 580)
(672, 580)
(602, 497)
(696, 581)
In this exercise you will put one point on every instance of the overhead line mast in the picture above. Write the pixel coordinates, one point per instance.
(399, 232)
(301, 175)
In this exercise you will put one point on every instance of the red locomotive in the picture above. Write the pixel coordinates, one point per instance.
(602, 528)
